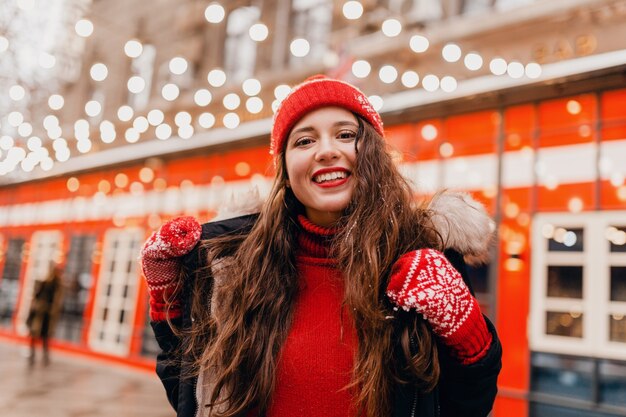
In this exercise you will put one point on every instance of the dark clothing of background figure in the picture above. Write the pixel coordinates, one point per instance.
(43, 314)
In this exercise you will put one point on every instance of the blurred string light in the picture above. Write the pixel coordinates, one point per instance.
(361, 68)
(56, 102)
(231, 120)
(93, 108)
(133, 48)
(216, 77)
(202, 97)
(178, 65)
(388, 74)
(155, 117)
(98, 72)
(214, 13)
(84, 28)
(136, 84)
(451, 52)
(170, 92)
(17, 93)
(182, 118)
(206, 120)
(299, 47)
(163, 131)
(430, 83)
(419, 43)
(515, 69)
(125, 113)
(473, 61)
(410, 79)
(251, 87)
(391, 27)
(352, 10)
(498, 66)
(231, 101)
(258, 32)
(254, 105)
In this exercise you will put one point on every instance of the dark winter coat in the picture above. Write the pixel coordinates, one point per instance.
(44, 308)
(462, 391)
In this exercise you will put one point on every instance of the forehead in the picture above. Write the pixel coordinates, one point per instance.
(325, 116)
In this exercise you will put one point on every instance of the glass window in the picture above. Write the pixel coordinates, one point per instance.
(617, 237)
(617, 328)
(564, 324)
(565, 281)
(476, 6)
(311, 20)
(618, 283)
(143, 67)
(566, 240)
(10, 282)
(511, 4)
(78, 281)
(114, 304)
(613, 382)
(562, 376)
(240, 49)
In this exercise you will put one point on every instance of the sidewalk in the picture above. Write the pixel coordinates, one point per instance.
(75, 387)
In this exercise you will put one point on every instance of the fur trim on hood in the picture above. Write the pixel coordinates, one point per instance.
(462, 221)
(464, 225)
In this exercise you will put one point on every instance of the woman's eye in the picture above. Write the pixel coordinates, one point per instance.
(347, 134)
(303, 141)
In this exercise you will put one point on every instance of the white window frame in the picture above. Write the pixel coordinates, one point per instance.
(319, 44)
(240, 51)
(595, 305)
(127, 250)
(45, 247)
(143, 66)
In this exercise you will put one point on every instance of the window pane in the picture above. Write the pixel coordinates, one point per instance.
(562, 376)
(617, 237)
(564, 324)
(565, 281)
(617, 326)
(618, 283)
(549, 410)
(10, 281)
(566, 240)
(613, 382)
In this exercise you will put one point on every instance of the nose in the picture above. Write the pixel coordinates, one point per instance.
(327, 149)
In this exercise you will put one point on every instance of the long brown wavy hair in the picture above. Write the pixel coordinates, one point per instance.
(240, 337)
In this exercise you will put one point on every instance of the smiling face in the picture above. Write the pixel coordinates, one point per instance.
(320, 156)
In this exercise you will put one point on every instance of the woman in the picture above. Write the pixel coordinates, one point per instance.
(334, 300)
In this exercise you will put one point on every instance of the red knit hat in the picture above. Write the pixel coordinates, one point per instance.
(316, 92)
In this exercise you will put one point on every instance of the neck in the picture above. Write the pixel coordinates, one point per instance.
(315, 240)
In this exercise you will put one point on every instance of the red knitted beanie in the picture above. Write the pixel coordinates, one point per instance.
(316, 92)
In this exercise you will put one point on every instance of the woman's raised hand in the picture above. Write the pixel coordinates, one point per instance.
(161, 262)
(424, 280)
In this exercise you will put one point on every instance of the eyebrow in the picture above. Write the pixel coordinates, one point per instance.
(311, 128)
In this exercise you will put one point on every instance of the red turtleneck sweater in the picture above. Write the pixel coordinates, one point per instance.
(316, 362)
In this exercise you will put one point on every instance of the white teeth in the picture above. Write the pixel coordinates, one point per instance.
(330, 176)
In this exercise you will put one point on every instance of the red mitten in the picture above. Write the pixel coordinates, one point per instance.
(425, 280)
(161, 262)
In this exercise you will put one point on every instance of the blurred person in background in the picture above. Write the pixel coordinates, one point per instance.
(343, 297)
(44, 311)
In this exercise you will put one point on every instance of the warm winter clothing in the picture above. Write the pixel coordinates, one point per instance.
(161, 265)
(426, 281)
(463, 389)
(316, 92)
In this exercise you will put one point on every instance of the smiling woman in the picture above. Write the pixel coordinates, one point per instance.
(336, 299)
(320, 155)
